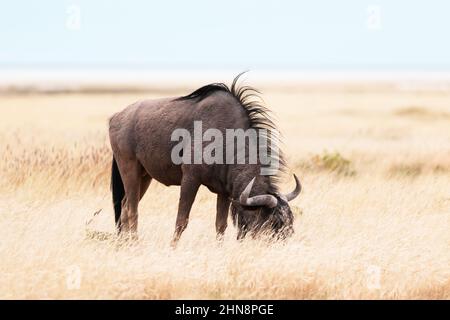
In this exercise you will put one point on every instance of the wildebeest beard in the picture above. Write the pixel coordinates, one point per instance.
(276, 223)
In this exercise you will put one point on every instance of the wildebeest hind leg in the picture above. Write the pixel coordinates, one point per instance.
(131, 172)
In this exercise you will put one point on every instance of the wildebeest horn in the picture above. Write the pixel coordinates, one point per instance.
(296, 192)
(267, 200)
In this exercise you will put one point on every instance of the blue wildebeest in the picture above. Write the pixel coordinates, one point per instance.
(142, 141)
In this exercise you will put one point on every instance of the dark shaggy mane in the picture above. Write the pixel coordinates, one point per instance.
(258, 115)
(205, 91)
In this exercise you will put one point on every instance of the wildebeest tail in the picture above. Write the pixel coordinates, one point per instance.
(118, 192)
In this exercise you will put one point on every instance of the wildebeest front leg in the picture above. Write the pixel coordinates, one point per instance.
(189, 188)
(223, 206)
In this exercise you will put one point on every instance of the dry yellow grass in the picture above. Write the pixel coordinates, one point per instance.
(373, 220)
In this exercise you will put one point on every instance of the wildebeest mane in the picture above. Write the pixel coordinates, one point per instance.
(259, 116)
(205, 91)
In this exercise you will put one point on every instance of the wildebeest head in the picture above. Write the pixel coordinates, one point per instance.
(267, 213)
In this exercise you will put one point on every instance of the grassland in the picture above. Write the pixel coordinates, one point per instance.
(372, 222)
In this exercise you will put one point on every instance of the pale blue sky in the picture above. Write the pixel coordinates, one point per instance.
(200, 34)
